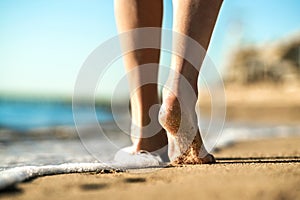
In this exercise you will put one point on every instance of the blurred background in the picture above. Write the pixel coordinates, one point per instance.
(43, 44)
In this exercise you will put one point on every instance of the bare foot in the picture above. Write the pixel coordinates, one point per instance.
(184, 140)
(150, 141)
(146, 140)
(157, 144)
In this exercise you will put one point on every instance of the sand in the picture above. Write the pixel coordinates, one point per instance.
(259, 103)
(261, 169)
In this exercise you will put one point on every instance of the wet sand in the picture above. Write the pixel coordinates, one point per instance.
(261, 169)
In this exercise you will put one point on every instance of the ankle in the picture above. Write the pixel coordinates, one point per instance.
(151, 144)
(180, 98)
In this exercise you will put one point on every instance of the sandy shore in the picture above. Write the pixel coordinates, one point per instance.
(262, 104)
(262, 169)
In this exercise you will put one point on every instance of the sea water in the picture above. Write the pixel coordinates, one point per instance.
(37, 134)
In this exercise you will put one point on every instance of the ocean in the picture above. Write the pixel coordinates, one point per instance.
(44, 132)
(38, 133)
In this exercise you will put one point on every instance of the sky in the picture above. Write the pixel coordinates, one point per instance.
(43, 44)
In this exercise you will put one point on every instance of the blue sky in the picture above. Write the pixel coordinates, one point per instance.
(44, 43)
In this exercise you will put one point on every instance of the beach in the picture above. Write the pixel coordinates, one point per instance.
(258, 157)
(75, 99)
(256, 169)
(259, 103)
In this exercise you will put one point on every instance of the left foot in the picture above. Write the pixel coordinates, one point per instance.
(157, 144)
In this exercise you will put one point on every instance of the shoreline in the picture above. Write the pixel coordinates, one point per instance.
(264, 169)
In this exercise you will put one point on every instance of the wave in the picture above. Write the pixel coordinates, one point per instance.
(16, 175)
(11, 176)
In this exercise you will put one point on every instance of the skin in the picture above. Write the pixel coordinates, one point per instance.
(131, 14)
(196, 19)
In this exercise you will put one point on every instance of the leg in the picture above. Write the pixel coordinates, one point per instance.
(196, 19)
(131, 14)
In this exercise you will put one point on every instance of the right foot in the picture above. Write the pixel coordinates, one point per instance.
(184, 140)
